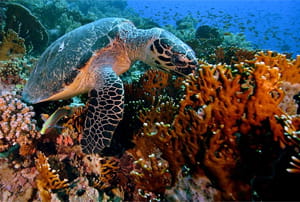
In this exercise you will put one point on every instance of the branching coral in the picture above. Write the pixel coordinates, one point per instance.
(100, 171)
(72, 129)
(151, 84)
(289, 69)
(10, 72)
(11, 45)
(223, 107)
(47, 180)
(244, 106)
(230, 55)
(151, 174)
(17, 124)
(289, 76)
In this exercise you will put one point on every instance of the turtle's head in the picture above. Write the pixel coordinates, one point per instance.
(170, 53)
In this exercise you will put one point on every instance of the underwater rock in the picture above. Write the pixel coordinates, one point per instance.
(193, 188)
(187, 22)
(204, 40)
(20, 19)
(209, 34)
(236, 40)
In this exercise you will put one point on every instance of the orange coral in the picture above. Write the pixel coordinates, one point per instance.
(152, 84)
(219, 105)
(108, 171)
(236, 104)
(73, 128)
(151, 174)
(47, 179)
(231, 55)
(289, 69)
(100, 170)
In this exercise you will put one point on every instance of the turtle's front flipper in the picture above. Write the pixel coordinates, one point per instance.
(105, 110)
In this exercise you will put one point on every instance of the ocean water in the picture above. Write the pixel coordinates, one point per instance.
(267, 24)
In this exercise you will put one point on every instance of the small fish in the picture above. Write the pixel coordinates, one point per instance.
(54, 118)
(227, 34)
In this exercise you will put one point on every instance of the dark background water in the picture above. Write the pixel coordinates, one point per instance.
(267, 24)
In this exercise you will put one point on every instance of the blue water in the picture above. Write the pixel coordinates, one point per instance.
(267, 24)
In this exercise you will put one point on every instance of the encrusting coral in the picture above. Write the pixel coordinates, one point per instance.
(17, 182)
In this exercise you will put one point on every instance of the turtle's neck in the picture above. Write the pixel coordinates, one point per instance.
(137, 42)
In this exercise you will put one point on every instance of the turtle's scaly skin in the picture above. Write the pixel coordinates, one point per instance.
(89, 60)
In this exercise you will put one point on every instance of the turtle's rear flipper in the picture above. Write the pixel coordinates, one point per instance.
(105, 110)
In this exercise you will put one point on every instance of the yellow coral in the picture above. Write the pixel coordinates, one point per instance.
(47, 179)
(100, 171)
(11, 45)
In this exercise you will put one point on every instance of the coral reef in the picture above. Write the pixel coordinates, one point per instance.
(21, 20)
(17, 125)
(204, 136)
(47, 179)
(229, 131)
(14, 71)
(289, 69)
(230, 55)
(236, 40)
(11, 45)
(288, 103)
(10, 72)
(18, 182)
(194, 188)
(221, 110)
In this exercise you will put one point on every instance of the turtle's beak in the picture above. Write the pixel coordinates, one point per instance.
(185, 70)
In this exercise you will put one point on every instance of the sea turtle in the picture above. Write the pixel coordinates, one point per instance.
(89, 60)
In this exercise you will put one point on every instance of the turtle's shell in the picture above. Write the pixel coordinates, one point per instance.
(59, 64)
